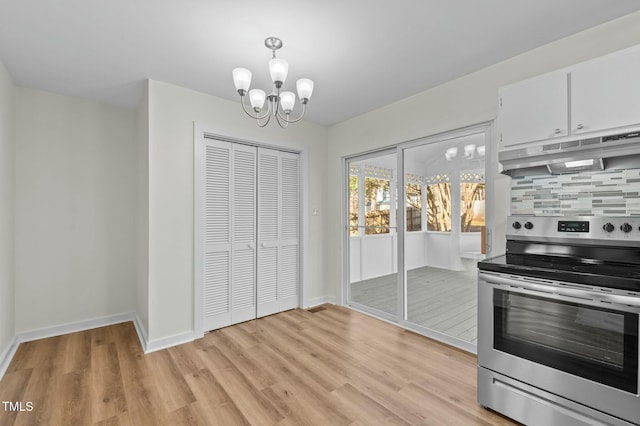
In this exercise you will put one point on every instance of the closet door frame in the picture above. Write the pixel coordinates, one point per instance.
(201, 134)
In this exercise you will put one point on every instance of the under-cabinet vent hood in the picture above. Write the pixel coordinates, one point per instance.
(615, 152)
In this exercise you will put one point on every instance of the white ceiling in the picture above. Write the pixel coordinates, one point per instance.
(362, 54)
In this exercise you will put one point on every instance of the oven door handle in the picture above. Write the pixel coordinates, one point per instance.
(575, 293)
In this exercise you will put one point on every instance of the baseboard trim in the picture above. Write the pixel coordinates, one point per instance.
(167, 342)
(320, 301)
(73, 327)
(7, 355)
(140, 331)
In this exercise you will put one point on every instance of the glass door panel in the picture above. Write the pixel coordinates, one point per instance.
(372, 211)
(444, 193)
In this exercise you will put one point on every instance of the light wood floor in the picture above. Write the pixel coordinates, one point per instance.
(330, 367)
(438, 299)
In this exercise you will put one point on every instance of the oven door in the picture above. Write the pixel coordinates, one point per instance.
(574, 341)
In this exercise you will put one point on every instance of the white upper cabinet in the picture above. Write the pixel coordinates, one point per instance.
(590, 98)
(534, 110)
(605, 94)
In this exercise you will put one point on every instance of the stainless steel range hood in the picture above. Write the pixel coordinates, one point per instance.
(614, 152)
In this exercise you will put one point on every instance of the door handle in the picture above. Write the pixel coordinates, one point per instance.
(251, 246)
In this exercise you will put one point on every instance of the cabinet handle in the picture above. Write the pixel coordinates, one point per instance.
(579, 127)
(558, 131)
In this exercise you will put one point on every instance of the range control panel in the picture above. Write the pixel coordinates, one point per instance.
(573, 226)
(584, 227)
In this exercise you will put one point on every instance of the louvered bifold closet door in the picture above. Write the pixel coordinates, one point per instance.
(244, 233)
(216, 203)
(278, 231)
(289, 231)
(230, 233)
(268, 227)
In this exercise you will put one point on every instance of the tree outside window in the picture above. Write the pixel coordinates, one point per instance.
(414, 207)
(377, 206)
(439, 207)
(472, 206)
(353, 205)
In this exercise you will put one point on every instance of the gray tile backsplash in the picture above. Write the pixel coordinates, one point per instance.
(608, 193)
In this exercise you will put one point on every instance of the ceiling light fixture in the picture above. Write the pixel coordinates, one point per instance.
(279, 103)
(469, 151)
(451, 153)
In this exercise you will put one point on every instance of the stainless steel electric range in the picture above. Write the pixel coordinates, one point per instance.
(558, 319)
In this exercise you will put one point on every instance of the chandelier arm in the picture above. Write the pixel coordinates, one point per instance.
(265, 123)
(267, 115)
(278, 118)
(245, 108)
(304, 109)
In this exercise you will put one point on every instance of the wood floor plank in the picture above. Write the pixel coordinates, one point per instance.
(107, 389)
(212, 401)
(365, 409)
(305, 397)
(242, 360)
(174, 390)
(73, 398)
(328, 366)
(77, 352)
(14, 386)
(186, 358)
(252, 403)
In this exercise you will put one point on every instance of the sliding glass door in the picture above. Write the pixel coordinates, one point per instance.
(373, 239)
(444, 198)
(416, 230)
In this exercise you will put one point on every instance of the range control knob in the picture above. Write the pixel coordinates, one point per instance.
(516, 225)
(626, 227)
(608, 227)
(528, 225)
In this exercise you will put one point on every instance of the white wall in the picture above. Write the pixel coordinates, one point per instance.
(75, 210)
(172, 112)
(142, 224)
(7, 200)
(466, 101)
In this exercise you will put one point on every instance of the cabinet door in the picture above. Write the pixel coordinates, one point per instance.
(534, 110)
(606, 94)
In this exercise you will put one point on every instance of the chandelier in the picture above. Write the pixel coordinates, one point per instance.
(279, 104)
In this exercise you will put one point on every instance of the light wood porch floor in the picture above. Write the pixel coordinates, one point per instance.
(439, 299)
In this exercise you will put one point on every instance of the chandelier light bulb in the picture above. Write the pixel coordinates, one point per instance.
(242, 80)
(257, 97)
(305, 89)
(278, 68)
(469, 151)
(287, 101)
(451, 153)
